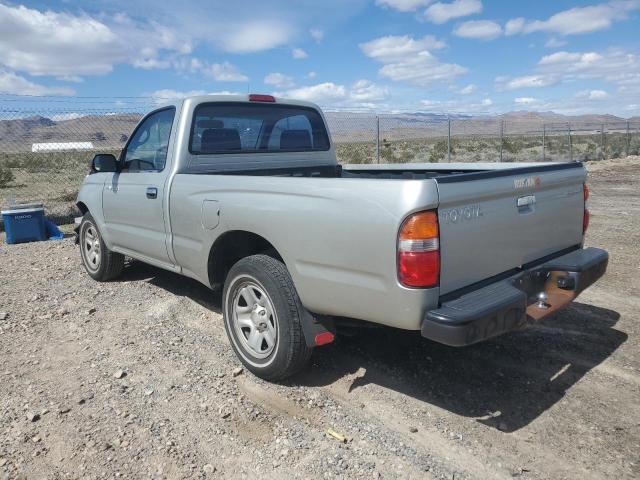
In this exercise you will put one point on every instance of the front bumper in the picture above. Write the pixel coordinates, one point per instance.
(510, 304)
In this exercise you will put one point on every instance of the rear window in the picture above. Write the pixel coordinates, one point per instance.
(256, 127)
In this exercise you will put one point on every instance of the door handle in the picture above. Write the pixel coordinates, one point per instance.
(152, 192)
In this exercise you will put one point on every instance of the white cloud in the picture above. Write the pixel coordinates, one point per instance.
(431, 104)
(316, 34)
(577, 20)
(279, 80)
(392, 48)
(524, 100)
(169, 94)
(366, 91)
(362, 93)
(554, 42)
(592, 94)
(614, 65)
(224, 72)
(64, 45)
(322, 92)
(312, 74)
(15, 84)
(468, 90)
(443, 12)
(576, 59)
(299, 54)
(410, 60)
(526, 81)
(478, 29)
(403, 5)
(256, 36)
(458, 106)
(513, 26)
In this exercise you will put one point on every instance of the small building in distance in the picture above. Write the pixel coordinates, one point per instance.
(61, 146)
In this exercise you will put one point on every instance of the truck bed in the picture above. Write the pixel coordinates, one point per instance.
(404, 171)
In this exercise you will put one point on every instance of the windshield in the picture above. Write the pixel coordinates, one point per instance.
(256, 127)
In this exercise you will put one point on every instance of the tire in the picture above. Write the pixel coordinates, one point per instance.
(262, 318)
(100, 263)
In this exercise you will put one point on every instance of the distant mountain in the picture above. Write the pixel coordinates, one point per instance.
(23, 126)
(104, 131)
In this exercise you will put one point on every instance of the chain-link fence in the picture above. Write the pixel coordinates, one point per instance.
(45, 155)
(402, 138)
(45, 151)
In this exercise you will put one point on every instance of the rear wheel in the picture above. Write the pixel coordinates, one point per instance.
(262, 318)
(100, 263)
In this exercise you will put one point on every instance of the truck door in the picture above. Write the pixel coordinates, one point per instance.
(132, 200)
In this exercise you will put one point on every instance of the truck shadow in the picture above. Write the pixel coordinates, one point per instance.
(506, 382)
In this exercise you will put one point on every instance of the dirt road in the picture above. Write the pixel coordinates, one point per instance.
(136, 379)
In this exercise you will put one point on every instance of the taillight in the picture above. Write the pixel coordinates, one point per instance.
(419, 251)
(585, 216)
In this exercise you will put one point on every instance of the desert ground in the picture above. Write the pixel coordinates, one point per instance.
(136, 379)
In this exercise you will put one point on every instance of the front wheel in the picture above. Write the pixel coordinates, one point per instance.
(262, 318)
(100, 263)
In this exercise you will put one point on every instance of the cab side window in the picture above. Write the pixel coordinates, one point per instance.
(147, 150)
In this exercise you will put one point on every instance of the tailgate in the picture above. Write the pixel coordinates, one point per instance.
(495, 221)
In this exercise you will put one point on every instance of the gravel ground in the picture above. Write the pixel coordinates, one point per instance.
(136, 379)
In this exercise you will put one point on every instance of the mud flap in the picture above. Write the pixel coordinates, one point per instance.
(318, 330)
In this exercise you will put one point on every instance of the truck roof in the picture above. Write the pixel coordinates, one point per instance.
(197, 99)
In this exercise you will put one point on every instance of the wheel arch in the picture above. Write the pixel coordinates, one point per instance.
(82, 207)
(233, 246)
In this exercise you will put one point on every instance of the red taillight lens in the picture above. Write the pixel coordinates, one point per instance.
(585, 216)
(419, 251)
(585, 221)
(256, 97)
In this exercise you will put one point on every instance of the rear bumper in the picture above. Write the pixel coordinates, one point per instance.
(515, 302)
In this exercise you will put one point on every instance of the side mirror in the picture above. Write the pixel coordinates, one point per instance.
(104, 162)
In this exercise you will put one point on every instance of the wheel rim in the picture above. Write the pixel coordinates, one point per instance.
(254, 319)
(91, 247)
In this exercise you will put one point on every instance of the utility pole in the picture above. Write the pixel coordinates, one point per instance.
(570, 142)
(378, 138)
(449, 138)
(628, 139)
(602, 152)
(544, 140)
(501, 137)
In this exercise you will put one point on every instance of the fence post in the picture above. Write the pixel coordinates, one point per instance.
(570, 142)
(602, 154)
(378, 138)
(449, 138)
(628, 139)
(544, 140)
(501, 136)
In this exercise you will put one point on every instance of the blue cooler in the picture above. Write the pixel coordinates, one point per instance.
(24, 223)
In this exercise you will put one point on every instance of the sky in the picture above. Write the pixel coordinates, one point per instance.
(456, 56)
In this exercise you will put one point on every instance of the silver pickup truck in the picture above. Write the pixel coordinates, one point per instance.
(244, 193)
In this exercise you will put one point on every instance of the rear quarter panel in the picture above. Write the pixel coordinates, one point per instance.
(337, 236)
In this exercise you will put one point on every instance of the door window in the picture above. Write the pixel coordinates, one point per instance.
(148, 147)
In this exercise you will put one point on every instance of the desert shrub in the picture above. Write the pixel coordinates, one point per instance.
(511, 145)
(6, 176)
(69, 195)
(439, 151)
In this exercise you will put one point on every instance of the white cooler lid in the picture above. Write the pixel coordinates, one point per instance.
(23, 208)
